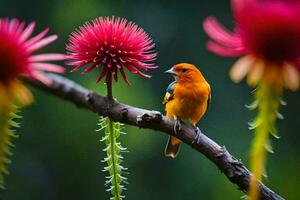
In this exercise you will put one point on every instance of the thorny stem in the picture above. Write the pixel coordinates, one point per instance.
(268, 98)
(8, 113)
(112, 139)
(112, 153)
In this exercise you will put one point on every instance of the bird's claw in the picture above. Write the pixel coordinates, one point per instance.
(177, 126)
(198, 135)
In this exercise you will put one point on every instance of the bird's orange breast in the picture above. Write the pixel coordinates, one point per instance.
(190, 101)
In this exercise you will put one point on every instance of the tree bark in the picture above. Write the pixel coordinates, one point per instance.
(234, 169)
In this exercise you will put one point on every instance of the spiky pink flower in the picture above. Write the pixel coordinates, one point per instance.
(110, 44)
(267, 33)
(17, 58)
(17, 48)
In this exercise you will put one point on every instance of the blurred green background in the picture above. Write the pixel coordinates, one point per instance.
(58, 153)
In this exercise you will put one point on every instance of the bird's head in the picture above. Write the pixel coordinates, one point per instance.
(186, 73)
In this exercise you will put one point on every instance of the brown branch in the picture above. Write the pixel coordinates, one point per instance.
(234, 169)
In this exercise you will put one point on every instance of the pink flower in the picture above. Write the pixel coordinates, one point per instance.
(17, 48)
(17, 58)
(110, 44)
(267, 35)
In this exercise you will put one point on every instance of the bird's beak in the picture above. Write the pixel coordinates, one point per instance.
(171, 72)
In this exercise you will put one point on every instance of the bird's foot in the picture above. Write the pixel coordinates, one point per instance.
(198, 135)
(177, 126)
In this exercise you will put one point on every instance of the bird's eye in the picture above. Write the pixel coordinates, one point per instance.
(183, 70)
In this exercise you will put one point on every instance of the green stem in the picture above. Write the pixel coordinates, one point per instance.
(113, 155)
(267, 101)
(7, 114)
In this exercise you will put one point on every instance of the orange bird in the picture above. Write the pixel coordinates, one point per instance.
(188, 98)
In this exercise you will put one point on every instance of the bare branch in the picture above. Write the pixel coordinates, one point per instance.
(234, 169)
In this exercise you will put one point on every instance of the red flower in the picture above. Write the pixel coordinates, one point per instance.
(110, 44)
(16, 58)
(16, 51)
(269, 32)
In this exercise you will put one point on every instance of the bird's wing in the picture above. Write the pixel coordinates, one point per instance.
(169, 93)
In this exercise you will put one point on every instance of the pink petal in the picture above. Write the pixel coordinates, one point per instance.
(37, 37)
(27, 32)
(78, 67)
(136, 71)
(115, 74)
(20, 28)
(42, 43)
(143, 74)
(103, 73)
(72, 63)
(48, 67)
(256, 72)
(41, 77)
(123, 75)
(241, 68)
(14, 23)
(89, 68)
(224, 51)
(220, 34)
(47, 57)
(291, 77)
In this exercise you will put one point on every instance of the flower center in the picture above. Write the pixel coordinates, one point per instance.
(13, 59)
(272, 31)
(278, 46)
(111, 55)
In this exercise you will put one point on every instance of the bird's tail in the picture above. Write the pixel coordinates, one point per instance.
(172, 147)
